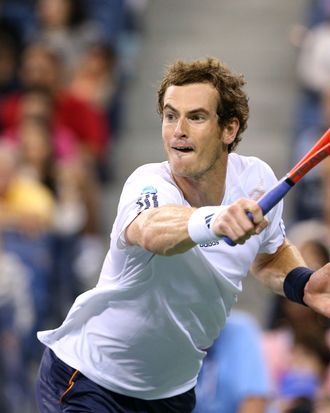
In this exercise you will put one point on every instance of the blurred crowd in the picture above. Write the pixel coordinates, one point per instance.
(65, 66)
(298, 341)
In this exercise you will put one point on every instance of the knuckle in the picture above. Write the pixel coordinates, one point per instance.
(221, 228)
(233, 208)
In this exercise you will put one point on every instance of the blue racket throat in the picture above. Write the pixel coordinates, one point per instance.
(274, 196)
(269, 200)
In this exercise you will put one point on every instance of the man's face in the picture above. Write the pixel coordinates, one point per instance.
(191, 134)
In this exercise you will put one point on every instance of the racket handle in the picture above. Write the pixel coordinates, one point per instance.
(268, 201)
(228, 240)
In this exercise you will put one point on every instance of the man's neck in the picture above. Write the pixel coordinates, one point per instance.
(207, 190)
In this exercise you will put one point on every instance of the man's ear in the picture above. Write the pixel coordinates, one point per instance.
(229, 131)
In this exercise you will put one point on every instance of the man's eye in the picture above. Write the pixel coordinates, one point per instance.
(197, 117)
(169, 116)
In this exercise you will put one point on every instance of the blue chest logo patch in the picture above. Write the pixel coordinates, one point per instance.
(149, 190)
(148, 198)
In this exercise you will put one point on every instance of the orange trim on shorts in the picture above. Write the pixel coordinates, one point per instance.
(70, 385)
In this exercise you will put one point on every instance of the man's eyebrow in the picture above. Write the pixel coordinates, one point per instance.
(190, 112)
(170, 107)
(198, 110)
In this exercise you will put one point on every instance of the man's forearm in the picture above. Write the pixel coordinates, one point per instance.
(271, 270)
(162, 230)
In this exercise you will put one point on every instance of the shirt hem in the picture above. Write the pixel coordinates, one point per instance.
(144, 395)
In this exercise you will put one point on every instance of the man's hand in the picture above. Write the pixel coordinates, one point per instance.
(235, 223)
(317, 291)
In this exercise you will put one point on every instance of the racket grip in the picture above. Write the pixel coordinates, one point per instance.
(273, 197)
(268, 201)
(228, 240)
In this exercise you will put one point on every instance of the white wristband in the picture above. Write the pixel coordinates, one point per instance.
(200, 224)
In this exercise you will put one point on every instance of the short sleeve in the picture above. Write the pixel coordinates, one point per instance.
(142, 192)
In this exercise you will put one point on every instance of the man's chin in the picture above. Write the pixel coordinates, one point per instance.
(184, 168)
(184, 173)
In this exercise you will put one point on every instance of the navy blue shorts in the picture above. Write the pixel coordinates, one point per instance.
(60, 388)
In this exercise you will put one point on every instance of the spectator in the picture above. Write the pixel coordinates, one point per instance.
(9, 52)
(313, 63)
(123, 24)
(307, 197)
(122, 21)
(316, 229)
(313, 73)
(17, 17)
(65, 27)
(93, 79)
(26, 205)
(317, 12)
(37, 104)
(234, 376)
(16, 330)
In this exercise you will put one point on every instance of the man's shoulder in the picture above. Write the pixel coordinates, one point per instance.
(151, 171)
(154, 167)
(243, 162)
(252, 175)
(247, 168)
(152, 178)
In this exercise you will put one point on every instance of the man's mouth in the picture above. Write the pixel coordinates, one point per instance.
(184, 149)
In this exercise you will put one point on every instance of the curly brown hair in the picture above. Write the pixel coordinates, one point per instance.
(233, 101)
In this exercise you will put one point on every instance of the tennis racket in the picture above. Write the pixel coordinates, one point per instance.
(314, 156)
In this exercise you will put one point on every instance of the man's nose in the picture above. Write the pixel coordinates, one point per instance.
(180, 128)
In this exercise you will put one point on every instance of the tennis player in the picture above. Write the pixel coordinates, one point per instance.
(136, 342)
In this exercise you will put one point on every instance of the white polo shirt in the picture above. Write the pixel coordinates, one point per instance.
(143, 329)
